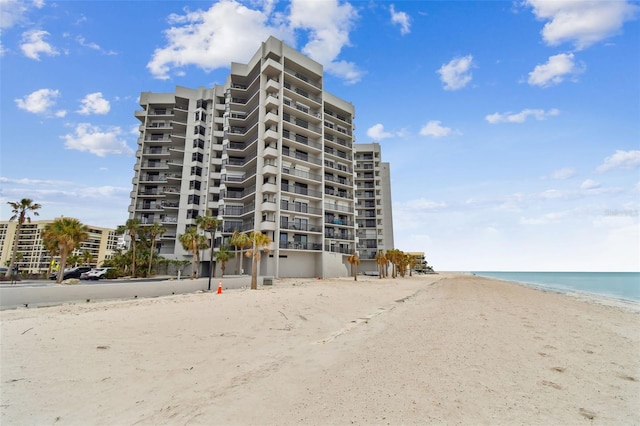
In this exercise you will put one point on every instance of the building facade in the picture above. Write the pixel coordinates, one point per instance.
(270, 151)
(33, 258)
(374, 215)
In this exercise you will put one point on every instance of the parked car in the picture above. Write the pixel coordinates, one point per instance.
(71, 272)
(94, 274)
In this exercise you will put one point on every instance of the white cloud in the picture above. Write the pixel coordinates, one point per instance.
(545, 219)
(328, 24)
(377, 132)
(557, 68)
(620, 160)
(41, 102)
(581, 22)
(97, 141)
(434, 128)
(228, 31)
(402, 19)
(28, 182)
(34, 44)
(93, 46)
(521, 117)
(231, 32)
(564, 173)
(11, 12)
(456, 74)
(589, 184)
(94, 103)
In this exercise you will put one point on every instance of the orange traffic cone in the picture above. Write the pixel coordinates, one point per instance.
(220, 287)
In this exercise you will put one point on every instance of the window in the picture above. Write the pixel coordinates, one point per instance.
(197, 156)
(196, 171)
(198, 143)
(301, 207)
(201, 116)
(194, 184)
(194, 199)
(202, 103)
(199, 130)
(192, 214)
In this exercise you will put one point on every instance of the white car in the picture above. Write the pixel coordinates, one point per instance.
(94, 274)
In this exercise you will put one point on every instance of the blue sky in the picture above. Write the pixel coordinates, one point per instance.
(512, 128)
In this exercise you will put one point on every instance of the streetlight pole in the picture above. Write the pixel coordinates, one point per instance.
(212, 232)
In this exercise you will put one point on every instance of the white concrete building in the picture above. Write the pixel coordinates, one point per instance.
(269, 151)
(33, 258)
(374, 215)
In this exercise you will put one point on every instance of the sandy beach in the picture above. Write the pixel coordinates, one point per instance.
(437, 349)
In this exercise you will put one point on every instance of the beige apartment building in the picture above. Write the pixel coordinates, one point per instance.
(374, 215)
(33, 258)
(269, 150)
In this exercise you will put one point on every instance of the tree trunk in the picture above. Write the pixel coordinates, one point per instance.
(14, 251)
(63, 265)
(153, 246)
(254, 269)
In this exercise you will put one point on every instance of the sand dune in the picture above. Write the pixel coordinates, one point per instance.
(440, 349)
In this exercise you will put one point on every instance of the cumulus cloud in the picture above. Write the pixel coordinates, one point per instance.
(520, 117)
(402, 19)
(94, 103)
(212, 38)
(377, 132)
(97, 141)
(589, 184)
(33, 45)
(12, 12)
(557, 68)
(328, 24)
(457, 73)
(620, 160)
(434, 128)
(564, 173)
(581, 22)
(41, 102)
(231, 32)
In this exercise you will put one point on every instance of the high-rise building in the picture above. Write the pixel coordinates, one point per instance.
(33, 258)
(270, 151)
(374, 213)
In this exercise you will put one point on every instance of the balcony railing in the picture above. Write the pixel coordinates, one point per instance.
(295, 245)
(301, 190)
(300, 208)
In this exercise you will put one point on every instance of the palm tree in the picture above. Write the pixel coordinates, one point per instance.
(72, 259)
(132, 227)
(20, 211)
(393, 256)
(381, 260)
(354, 260)
(154, 231)
(87, 257)
(209, 224)
(259, 242)
(412, 263)
(67, 233)
(193, 242)
(239, 240)
(222, 256)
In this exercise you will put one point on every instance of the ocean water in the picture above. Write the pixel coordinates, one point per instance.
(621, 285)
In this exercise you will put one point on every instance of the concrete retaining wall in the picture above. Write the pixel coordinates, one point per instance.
(56, 294)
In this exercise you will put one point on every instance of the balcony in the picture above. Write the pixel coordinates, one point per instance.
(299, 208)
(301, 190)
(295, 245)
